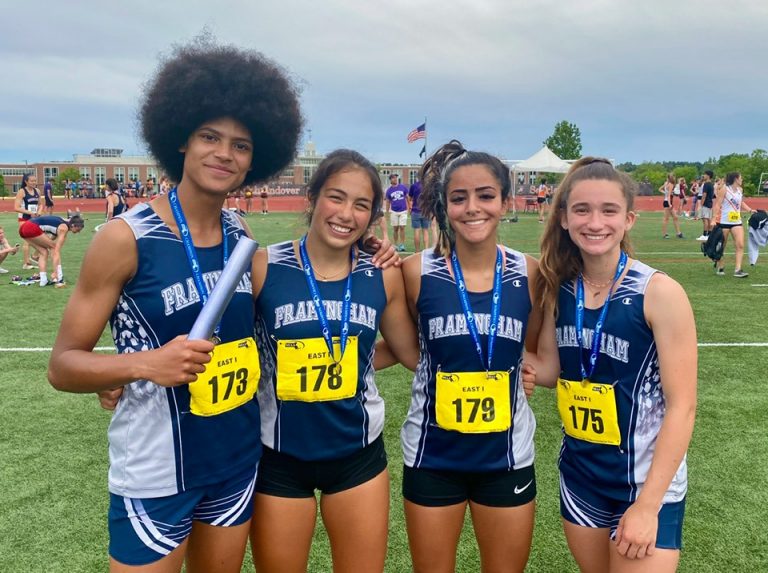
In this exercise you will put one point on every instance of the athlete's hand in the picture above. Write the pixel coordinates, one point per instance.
(636, 533)
(529, 379)
(108, 399)
(384, 254)
(177, 362)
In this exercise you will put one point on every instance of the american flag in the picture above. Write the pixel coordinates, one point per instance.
(418, 133)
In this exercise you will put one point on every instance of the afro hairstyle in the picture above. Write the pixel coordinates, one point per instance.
(201, 82)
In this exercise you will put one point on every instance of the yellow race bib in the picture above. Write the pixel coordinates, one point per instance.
(734, 216)
(229, 381)
(473, 402)
(588, 411)
(307, 373)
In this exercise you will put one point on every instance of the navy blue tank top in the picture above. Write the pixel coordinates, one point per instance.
(157, 447)
(446, 344)
(318, 430)
(628, 358)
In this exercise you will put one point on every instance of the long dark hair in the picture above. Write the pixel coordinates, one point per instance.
(436, 174)
(339, 160)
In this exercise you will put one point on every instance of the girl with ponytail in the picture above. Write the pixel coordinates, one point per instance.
(626, 382)
(468, 437)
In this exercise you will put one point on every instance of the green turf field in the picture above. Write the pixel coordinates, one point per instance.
(53, 449)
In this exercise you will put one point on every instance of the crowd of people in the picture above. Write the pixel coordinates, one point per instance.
(718, 202)
(244, 436)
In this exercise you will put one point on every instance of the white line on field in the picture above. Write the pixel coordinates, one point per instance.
(766, 285)
(700, 344)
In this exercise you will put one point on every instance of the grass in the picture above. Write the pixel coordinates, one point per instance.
(53, 449)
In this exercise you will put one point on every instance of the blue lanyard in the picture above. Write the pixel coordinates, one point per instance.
(495, 306)
(600, 321)
(318, 301)
(189, 247)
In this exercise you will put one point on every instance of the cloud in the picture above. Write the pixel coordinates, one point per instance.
(639, 79)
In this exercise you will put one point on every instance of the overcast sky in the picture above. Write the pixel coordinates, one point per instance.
(643, 80)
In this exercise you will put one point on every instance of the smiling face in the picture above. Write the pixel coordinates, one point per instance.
(596, 216)
(473, 203)
(342, 210)
(218, 156)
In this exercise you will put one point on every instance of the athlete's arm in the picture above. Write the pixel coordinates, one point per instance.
(396, 325)
(670, 317)
(384, 254)
(541, 360)
(74, 367)
(111, 206)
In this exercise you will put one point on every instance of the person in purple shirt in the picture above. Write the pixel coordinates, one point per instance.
(397, 205)
(419, 223)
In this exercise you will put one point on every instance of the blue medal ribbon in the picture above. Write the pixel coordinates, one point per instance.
(600, 321)
(470, 317)
(189, 247)
(318, 301)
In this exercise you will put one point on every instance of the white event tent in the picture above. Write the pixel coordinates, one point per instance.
(543, 161)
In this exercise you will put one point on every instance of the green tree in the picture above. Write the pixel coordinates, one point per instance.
(653, 173)
(3, 190)
(688, 171)
(70, 173)
(565, 141)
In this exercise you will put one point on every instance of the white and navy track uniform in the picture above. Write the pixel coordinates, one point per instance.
(327, 430)
(446, 344)
(31, 202)
(156, 446)
(628, 358)
(50, 224)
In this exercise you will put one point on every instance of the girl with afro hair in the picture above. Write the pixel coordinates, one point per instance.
(183, 451)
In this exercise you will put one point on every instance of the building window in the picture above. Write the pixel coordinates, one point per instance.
(120, 174)
(17, 171)
(133, 173)
(413, 175)
(152, 173)
(308, 171)
(50, 173)
(101, 175)
(85, 172)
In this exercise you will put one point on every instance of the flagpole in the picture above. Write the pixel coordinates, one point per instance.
(426, 132)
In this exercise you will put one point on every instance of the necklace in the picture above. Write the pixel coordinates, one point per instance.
(330, 276)
(596, 285)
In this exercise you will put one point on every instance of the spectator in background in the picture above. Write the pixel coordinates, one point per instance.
(668, 188)
(47, 235)
(27, 205)
(729, 204)
(541, 198)
(74, 189)
(115, 201)
(707, 203)
(419, 223)
(264, 196)
(48, 196)
(150, 188)
(6, 249)
(397, 204)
